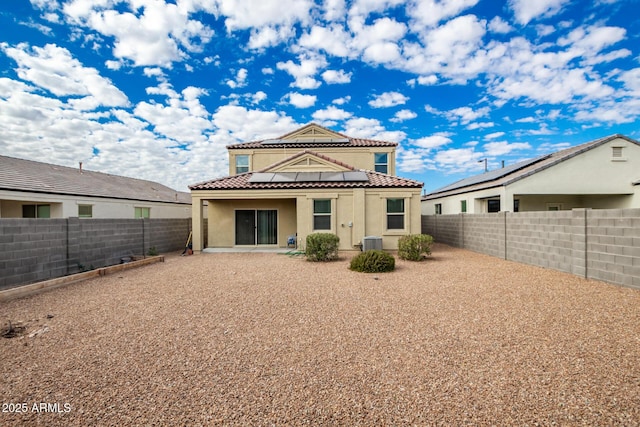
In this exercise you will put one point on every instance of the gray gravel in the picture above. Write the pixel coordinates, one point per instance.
(267, 339)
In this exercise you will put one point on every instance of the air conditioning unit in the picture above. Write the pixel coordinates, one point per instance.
(371, 242)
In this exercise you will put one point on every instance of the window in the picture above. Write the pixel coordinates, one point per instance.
(381, 162)
(36, 211)
(554, 206)
(322, 214)
(395, 214)
(493, 205)
(85, 211)
(242, 163)
(438, 209)
(463, 206)
(516, 205)
(142, 212)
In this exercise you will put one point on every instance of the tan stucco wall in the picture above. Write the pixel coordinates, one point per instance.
(361, 158)
(364, 209)
(221, 214)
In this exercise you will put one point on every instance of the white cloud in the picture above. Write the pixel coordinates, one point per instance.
(299, 100)
(361, 127)
(331, 113)
(388, 99)
(494, 135)
(336, 77)
(240, 79)
(54, 69)
(428, 13)
(243, 14)
(500, 148)
(304, 73)
(527, 10)
(403, 115)
(499, 26)
(342, 101)
(465, 115)
(264, 37)
(149, 32)
(433, 141)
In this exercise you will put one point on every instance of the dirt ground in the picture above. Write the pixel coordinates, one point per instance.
(267, 339)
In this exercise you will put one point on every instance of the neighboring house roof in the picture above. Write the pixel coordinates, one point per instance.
(264, 179)
(518, 171)
(312, 136)
(36, 177)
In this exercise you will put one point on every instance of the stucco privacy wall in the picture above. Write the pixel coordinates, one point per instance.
(32, 250)
(596, 244)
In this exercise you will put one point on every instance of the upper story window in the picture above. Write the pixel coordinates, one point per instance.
(242, 163)
(381, 162)
(322, 214)
(395, 214)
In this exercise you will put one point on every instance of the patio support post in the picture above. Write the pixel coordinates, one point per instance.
(196, 224)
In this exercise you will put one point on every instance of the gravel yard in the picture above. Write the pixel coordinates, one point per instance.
(267, 339)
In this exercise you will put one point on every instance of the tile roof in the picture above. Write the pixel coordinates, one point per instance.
(241, 182)
(302, 153)
(36, 177)
(287, 142)
(518, 171)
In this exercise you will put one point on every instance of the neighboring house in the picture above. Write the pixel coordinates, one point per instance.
(601, 174)
(31, 189)
(310, 180)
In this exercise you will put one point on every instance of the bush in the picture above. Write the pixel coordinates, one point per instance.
(373, 261)
(322, 247)
(413, 246)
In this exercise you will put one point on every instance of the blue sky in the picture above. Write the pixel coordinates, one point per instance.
(156, 89)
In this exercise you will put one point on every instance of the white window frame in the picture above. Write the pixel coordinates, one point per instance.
(376, 163)
(247, 166)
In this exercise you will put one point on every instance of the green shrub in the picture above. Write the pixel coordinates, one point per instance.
(373, 261)
(152, 251)
(413, 246)
(322, 247)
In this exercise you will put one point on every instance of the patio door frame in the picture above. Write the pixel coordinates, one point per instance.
(253, 222)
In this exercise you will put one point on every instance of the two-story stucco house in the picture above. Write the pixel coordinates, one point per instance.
(310, 180)
(600, 174)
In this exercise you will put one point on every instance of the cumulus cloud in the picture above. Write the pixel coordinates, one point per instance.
(336, 77)
(403, 115)
(305, 71)
(527, 10)
(500, 148)
(388, 99)
(300, 100)
(433, 141)
(331, 113)
(53, 68)
(149, 32)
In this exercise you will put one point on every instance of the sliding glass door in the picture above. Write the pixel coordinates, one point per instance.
(256, 226)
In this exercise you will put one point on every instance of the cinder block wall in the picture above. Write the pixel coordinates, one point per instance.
(33, 250)
(596, 244)
(541, 238)
(485, 233)
(613, 246)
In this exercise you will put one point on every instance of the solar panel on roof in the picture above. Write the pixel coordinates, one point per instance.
(491, 175)
(356, 176)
